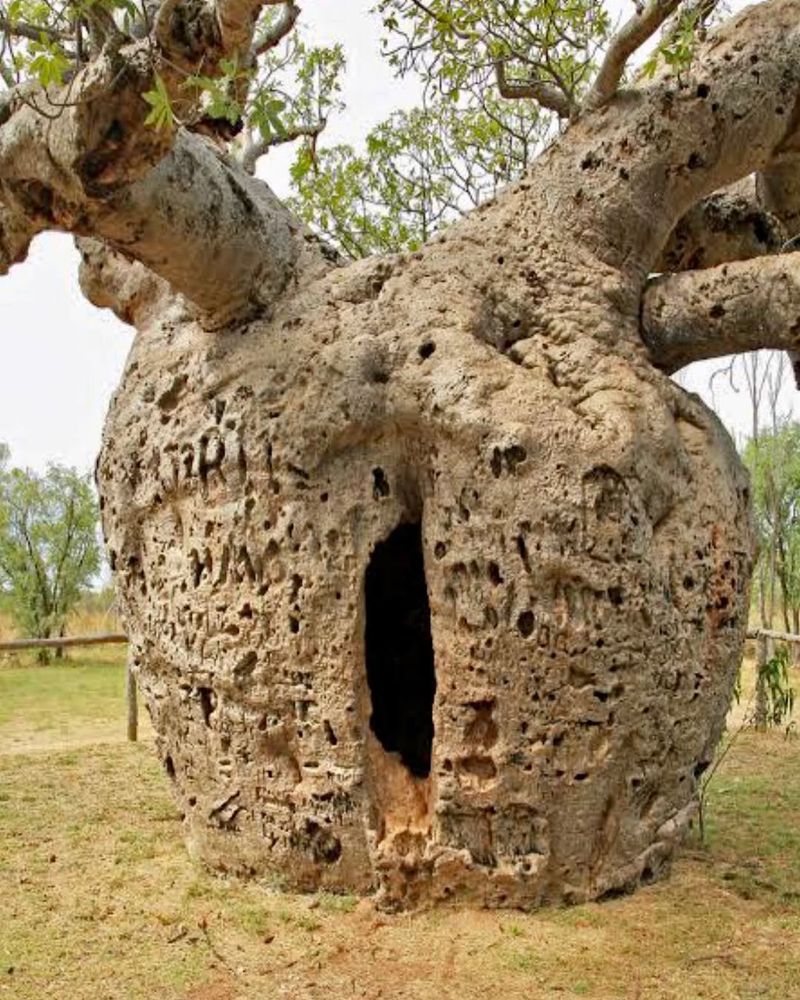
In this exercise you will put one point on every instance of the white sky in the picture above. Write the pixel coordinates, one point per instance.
(61, 358)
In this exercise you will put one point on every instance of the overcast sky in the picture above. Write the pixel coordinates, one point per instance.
(61, 358)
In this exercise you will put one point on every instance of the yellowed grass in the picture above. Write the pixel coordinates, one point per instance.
(100, 901)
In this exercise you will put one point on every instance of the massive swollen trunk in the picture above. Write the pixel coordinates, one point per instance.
(435, 583)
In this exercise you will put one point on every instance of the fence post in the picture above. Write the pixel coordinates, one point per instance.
(761, 684)
(133, 704)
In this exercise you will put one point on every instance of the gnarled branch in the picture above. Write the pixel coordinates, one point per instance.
(237, 22)
(165, 197)
(654, 154)
(16, 233)
(631, 36)
(729, 225)
(546, 94)
(274, 36)
(736, 307)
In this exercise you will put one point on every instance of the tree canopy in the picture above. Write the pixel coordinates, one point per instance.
(49, 545)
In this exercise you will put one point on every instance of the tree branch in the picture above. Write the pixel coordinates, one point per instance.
(163, 197)
(16, 234)
(237, 22)
(109, 280)
(729, 309)
(33, 32)
(729, 225)
(631, 36)
(275, 35)
(546, 94)
(621, 182)
(255, 149)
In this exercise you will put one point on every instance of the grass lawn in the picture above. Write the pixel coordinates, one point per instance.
(79, 700)
(99, 899)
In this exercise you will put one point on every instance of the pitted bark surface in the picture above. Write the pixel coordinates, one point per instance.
(586, 549)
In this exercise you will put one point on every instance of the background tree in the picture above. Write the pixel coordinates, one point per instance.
(774, 463)
(419, 171)
(49, 546)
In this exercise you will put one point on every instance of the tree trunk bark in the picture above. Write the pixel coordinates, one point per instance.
(584, 523)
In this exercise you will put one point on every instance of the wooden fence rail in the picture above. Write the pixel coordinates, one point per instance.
(61, 642)
(765, 639)
(103, 639)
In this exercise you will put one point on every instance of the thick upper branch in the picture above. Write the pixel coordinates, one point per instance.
(622, 177)
(237, 21)
(736, 307)
(729, 225)
(631, 36)
(163, 197)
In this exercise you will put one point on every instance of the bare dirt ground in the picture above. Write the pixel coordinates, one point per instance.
(100, 901)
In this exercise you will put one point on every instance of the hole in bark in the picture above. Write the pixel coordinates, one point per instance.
(525, 624)
(427, 349)
(380, 484)
(703, 91)
(399, 649)
(169, 766)
(208, 702)
(762, 229)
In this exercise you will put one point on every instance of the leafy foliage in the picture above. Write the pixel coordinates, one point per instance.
(49, 550)
(777, 691)
(420, 170)
(677, 49)
(295, 88)
(161, 114)
(453, 45)
(774, 463)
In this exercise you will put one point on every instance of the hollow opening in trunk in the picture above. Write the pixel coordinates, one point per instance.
(399, 649)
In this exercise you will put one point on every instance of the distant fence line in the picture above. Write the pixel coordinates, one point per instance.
(767, 633)
(103, 639)
(764, 637)
(61, 642)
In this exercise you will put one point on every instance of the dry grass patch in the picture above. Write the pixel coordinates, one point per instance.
(77, 701)
(100, 901)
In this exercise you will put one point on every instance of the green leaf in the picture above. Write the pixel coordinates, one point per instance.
(161, 115)
(49, 64)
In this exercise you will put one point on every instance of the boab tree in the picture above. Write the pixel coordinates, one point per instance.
(435, 580)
